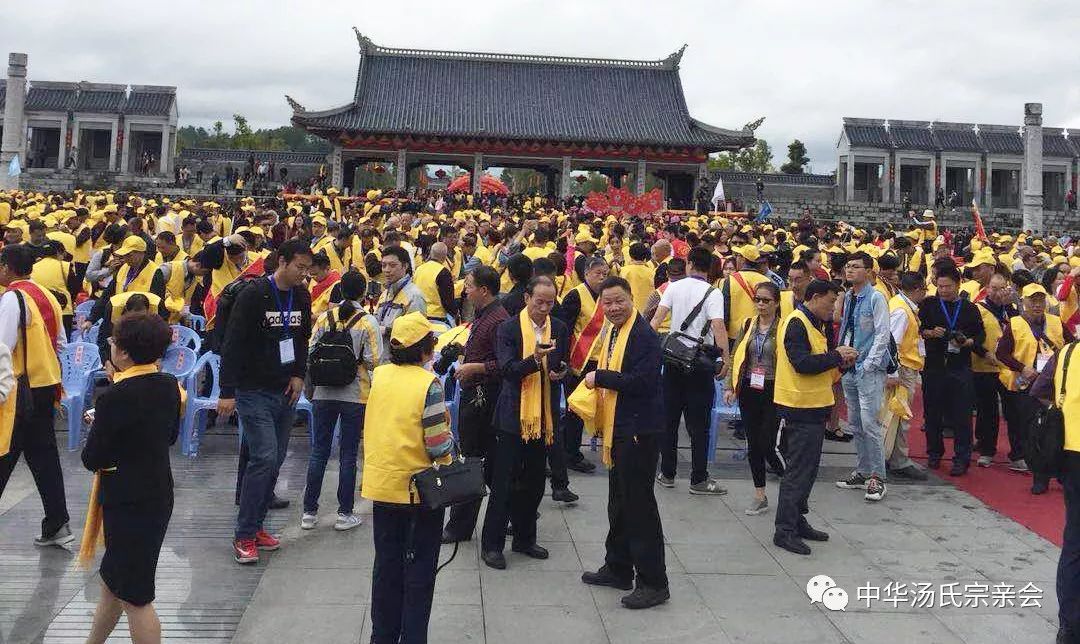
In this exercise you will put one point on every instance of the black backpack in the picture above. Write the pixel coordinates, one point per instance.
(216, 338)
(332, 362)
(1044, 449)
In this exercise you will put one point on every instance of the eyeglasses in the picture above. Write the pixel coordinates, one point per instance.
(763, 300)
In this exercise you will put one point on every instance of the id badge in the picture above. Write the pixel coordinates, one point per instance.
(286, 351)
(922, 348)
(1040, 362)
(757, 378)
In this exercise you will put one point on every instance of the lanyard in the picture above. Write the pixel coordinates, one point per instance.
(951, 320)
(285, 310)
(132, 274)
(760, 340)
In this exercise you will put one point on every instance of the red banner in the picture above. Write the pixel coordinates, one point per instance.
(622, 203)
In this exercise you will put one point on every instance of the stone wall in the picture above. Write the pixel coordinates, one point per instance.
(742, 186)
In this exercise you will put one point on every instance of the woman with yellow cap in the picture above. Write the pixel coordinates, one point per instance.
(405, 429)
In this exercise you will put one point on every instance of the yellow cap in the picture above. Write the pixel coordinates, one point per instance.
(1033, 289)
(584, 236)
(749, 252)
(318, 219)
(981, 259)
(409, 329)
(67, 241)
(132, 244)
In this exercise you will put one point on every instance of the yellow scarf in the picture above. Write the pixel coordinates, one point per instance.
(535, 389)
(596, 406)
(93, 528)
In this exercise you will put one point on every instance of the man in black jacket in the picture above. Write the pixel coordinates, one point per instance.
(263, 364)
(635, 541)
(517, 467)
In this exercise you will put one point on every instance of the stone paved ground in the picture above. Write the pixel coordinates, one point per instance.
(728, 583)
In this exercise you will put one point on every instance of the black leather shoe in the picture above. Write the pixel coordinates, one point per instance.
(447, 537)
(807, 531)
(910, 472)
(959, 468)
(582, 465)
(494, 559)
(1040, 486)
(604, 577)
(534, 551)
(564, 496)
(278, 503)
(933, 462)
(791, 543)
(645, 597)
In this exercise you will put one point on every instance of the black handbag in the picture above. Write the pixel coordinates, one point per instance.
(459, 481)
(24, 401)
(1044, 450)
(698, 355)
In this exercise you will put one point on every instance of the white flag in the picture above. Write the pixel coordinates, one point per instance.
(718, 192)
(14, 169)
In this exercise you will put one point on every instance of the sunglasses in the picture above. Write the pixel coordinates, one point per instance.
(763, 300)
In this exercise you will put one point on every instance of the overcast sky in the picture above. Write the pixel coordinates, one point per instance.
(802, 65)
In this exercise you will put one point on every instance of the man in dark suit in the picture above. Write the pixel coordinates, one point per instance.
(520, 450)
(635, 541)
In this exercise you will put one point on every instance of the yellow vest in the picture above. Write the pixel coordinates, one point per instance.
(972, 288)
(177, 296)
(1026, 346)
(993, 333)
(794, 389)
(393, 434)
(1070, 407)
(787, 303)
(665, 326)
(52, 273)
(908, 349)
(85, 250)
(588, 308)
(425, 276)
(195, 246)
(42, 364)
(118, 302)
(740, 304)
(140, 283)
(886, 289)
(338, 261)
(641, 277)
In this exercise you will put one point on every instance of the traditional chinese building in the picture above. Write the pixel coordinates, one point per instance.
(552, 114)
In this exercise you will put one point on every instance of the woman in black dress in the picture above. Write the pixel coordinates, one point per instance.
(136, 420)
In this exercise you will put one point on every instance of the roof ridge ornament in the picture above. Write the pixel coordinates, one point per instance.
(296, 107)
(673, 59)
(753, 125)
(366, 44)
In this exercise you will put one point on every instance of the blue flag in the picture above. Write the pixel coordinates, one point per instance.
(764, 212)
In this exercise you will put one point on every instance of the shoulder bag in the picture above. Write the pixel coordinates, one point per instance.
(699, 355)
(1044, 450)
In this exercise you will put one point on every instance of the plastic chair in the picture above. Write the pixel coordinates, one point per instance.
(718, 414)
(197, 322)
(82, 313)
(78, 361)
(180, 362)
(190, 429)
(186, 337)
(91, 336)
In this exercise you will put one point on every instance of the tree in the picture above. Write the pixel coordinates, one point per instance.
(722, 161)
(755, 159)
(797, 159)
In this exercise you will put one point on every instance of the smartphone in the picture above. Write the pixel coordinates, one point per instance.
(544, 345)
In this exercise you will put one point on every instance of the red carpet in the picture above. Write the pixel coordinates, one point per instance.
(1003, 490)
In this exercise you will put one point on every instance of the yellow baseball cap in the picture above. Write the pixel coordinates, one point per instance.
(132, 244)
(1033, 289)
(409, 329)
(584, 236)
(318, 219)
(981, 259)
(749, 252)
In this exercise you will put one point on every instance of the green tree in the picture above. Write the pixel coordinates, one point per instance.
(243, 138)
(755, 159)
(797, 159)
(722, 161)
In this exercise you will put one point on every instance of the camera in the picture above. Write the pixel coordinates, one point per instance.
(448, 356)
(955, 336)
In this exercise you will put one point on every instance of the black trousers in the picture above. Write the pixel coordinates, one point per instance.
(403, 579)
(762, 428)
(948, 396)
(803, 456)
(573, 427)
(690, 395)
(556, 459)
(1020, 412)
(989, 399)
(635, 540)
(1068, 572)
(35, 439)
(476, 434)
(517, 486)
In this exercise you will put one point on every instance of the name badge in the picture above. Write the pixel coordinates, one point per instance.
(757, 378)
(1040, 362)
(922, 348)
(286, 351)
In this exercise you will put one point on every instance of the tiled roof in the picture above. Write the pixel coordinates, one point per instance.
(1056, 145)
(774, 178)
(870, 136)
(520, 97)
(958, 139)
(149, 103)
(913, 138)
(241, 156)
(106, 102)
(953, 137)
(1002, 142)
(50, 99)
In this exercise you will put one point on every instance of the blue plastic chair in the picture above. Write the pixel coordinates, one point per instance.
(191, 429)
(78, 361)
(82, 313)
(197, 322)
(180, 362)
(91, 336)
(718, 414)
(186, 337)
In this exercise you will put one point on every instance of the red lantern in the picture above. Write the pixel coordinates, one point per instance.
(440, 173)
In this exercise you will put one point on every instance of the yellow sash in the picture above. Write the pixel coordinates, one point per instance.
(596, 407)
(535, 389)
(93, 528)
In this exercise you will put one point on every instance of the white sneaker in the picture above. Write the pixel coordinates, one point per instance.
(1019, 465)
(347, 521)
(308, 521)
(986, 461)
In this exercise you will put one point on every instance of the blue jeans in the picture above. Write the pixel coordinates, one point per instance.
(265, 418)
(327, 413)
(864, 392)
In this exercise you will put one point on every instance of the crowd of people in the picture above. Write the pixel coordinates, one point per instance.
(384, 307)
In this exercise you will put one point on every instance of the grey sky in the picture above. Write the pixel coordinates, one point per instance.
(803, 65)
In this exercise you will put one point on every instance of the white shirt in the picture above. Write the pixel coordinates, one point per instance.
(682, 296)
(9, 322)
